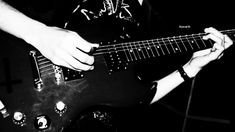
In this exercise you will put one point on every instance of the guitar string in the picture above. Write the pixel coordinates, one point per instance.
(181, 38)
(177, 38)
(151, 43)
(146, 42)
(110, 49)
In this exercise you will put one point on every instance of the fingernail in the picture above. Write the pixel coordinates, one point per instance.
(92, 68)
(204, 37)
(92, 50)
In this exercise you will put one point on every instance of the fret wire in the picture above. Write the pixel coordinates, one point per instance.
(171, 45)
(154, 45)
(146, 49)
(160, 47)
(125, 53)
(202, 41)
(129, 53)
(141, 50)
(128, 50)
(132, 51)
(195, 41)
(150, 48)
(199, 41)
(165, 46)
(173, 39)
(186, 37)
(137, 49)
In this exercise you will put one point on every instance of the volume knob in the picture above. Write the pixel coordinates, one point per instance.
(42, 122)
(3, 110)
(19, 118)
(60, 108)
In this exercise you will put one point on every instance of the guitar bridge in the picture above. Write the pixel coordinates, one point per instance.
(36, 75)
(42, 67)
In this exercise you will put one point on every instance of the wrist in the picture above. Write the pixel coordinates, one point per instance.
(190, 70)
(35, 29)
(182, 73)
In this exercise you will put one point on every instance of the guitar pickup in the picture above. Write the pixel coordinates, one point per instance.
(70, 75)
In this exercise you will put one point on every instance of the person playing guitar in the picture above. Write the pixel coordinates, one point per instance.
(66, 47)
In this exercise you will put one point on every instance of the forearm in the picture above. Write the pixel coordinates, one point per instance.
(171, 81)
(16, 23)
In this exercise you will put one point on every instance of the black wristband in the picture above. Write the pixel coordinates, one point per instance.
(183, 73)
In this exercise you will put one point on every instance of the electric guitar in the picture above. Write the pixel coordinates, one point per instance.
(49, 97)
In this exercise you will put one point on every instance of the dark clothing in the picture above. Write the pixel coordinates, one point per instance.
(57, 12)
(47, 10)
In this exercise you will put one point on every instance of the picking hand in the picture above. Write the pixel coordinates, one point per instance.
(64, 48)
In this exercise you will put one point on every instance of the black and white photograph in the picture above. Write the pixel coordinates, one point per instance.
(116, 65)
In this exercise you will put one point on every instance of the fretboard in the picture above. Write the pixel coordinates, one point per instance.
(144, 49)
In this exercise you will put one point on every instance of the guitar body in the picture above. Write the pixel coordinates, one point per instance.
(97, 87)
(39, 96)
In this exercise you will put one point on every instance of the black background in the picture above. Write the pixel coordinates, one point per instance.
(211, 104)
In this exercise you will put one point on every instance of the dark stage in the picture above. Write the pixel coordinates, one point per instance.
(204, 106)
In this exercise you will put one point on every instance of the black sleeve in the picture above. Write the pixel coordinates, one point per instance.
(50, 12)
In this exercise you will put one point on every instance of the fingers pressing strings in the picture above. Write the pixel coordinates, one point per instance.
(218, 37)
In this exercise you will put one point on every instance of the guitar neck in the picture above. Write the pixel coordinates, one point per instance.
(117, 56)
(145, 49)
